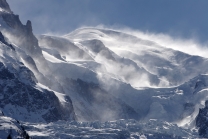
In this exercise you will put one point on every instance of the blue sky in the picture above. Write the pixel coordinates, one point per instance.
(185, 18)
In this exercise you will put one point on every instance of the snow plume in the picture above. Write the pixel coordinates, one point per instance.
(142, 58)
(125, 73)
(190, 46)
(11, 38)
(116, 66)
(106, 109)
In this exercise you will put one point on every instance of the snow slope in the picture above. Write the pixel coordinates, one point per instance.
(158, 60)
(125, 59)
(141, 73)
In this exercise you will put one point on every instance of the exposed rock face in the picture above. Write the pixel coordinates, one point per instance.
(28, 47)
(21, 99)
(22, 34)
(2, 39)
(202, 121)
(5, 6)
(29, 26)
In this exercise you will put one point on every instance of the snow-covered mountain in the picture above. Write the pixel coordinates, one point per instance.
(22, 97)
(73, 86)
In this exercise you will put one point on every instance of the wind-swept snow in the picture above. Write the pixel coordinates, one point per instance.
(125, 65)
(95, 76)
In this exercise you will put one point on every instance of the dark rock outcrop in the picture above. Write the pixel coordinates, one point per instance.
(202, 121)
(2, 39)
(21, 99)
(22, 35)
(5, 6)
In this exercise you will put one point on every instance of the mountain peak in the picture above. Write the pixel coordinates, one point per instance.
(29, 25)
(4, 6)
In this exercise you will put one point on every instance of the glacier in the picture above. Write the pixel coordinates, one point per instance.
(97, 83)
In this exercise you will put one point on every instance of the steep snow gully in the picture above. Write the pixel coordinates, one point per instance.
(97, 83)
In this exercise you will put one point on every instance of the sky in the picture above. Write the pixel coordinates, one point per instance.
(185, 18)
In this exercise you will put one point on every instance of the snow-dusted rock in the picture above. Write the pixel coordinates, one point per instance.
(201, 121)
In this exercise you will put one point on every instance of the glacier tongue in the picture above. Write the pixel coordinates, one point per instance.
(119, 129)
